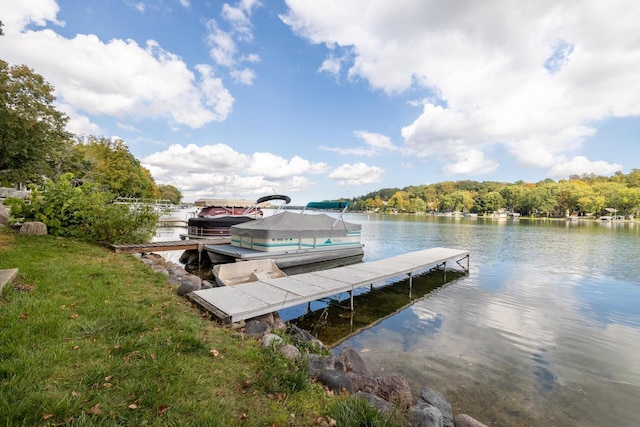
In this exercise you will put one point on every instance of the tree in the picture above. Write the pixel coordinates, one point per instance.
(31, 129)
(110, 164)
(489, 202)
(169, 192)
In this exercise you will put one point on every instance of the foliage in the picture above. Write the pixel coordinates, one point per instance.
(282, 375)
(356, 412)
(583, 195)
(83, 211)
(171, 193)
(31, 129)
(90, 337)
(109, 164)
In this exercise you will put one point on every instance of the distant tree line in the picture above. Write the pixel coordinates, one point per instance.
(588, 194)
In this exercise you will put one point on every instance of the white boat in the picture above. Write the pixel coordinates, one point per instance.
(295, 241)
(247, 271)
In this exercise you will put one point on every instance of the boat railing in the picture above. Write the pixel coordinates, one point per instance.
(332, 205)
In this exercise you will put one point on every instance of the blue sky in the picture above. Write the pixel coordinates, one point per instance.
(321, 99)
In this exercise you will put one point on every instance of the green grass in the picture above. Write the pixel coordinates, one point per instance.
(89, 337)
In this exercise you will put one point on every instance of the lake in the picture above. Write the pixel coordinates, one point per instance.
(543, 330)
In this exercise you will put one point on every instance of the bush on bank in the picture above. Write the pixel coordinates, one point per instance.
(84, 212)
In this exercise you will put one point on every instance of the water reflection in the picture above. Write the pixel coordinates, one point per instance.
(332, 321)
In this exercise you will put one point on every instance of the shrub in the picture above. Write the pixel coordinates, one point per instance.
(85, 212)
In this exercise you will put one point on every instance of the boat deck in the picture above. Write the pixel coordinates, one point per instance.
(244, 301)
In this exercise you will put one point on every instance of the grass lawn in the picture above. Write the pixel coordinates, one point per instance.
(89, 337)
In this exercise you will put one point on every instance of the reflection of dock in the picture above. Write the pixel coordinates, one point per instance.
(247, 300)
(174, 245)
(332, 322)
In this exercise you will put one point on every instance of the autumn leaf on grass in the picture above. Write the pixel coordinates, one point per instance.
(95, 410)
(47, 416)
(133, 406)
(213, 352)
(162, 409)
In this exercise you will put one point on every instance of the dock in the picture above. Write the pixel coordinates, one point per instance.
(244, 301)
(173, 245)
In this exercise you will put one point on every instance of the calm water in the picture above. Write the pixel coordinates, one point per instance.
(543, 331)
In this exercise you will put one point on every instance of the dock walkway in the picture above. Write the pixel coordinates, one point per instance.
(174, 245)
(234, 303)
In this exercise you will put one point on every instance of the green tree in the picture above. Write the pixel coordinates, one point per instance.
(31, 129)
(110, 164)
(171, 193)
(488, 202)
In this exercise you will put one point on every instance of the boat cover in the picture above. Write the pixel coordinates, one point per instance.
(295, 225)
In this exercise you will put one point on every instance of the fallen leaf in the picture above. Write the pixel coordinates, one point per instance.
(23, 315)
(162, 409)
(213, 352)
(75, 347)
(47, 416)
(74, 316)
(95, 410)
(75, 394)
(133, 406)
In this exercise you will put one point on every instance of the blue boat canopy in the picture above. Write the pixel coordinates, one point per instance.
(339, 205)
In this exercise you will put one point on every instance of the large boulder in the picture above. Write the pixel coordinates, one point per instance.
(395, 388)
(353, 362)
(34, 228)
(431, 398)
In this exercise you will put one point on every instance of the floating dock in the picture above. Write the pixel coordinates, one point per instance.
(244, 301)
(174, 245)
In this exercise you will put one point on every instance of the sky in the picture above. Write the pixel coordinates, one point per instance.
(323, 99)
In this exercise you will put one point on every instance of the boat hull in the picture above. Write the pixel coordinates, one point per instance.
(290, 261)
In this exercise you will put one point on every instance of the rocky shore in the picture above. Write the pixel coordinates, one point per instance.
(344, 373)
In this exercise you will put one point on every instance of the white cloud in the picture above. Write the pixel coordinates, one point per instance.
(356, 174)
(221, 171)
(245, 76)
(376, 144)
(16, 15)
(223, 44)
(532, 79)
(89, 76)
(580, 165)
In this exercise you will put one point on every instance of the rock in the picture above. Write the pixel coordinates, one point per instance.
(353, 362)
(186, 287)
(271, 339)
(267, 318)
(194, 279)
(33, 229)
(376, 402)
(430, 397)
(4, 214)
(427, 416)
(207, 284)
(395, 388)
(335, 380)
(289, 351)
(363, 383)
(257, 328)
(278, 323)
(300, 335)
(464, 420)
(319, 363)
